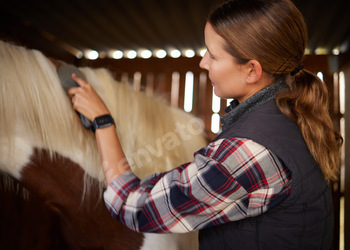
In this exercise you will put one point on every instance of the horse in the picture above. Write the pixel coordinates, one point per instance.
(45, 151)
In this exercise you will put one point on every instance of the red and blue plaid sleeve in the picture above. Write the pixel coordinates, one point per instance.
(230, 179)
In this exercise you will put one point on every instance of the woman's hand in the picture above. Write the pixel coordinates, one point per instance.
(85, 100)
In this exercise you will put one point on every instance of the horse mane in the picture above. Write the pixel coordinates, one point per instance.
(36, 112)
(147, 126)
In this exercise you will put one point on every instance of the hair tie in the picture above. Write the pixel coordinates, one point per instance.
(297, 69)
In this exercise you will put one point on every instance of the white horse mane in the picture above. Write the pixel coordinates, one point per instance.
(36, 112)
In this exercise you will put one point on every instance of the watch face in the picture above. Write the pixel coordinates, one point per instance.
(102, 120)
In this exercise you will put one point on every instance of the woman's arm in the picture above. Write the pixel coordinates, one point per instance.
(228, 180)
(87, 102)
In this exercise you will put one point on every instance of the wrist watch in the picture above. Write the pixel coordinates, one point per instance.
(102, 122)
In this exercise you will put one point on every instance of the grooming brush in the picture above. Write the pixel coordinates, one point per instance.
(65, 72)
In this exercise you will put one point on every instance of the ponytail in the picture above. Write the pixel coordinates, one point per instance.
(306, 103)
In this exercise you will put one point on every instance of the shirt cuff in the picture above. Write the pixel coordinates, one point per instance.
(118, 190)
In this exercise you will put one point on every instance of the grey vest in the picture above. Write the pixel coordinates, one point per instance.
(304, 220)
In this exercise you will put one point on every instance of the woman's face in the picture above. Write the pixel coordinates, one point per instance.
(227, 76)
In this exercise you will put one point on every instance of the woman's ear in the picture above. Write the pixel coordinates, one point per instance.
(254, 71)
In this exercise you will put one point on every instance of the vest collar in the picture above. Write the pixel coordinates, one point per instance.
(236, 110)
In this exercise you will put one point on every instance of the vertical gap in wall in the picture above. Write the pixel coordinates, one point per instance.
(188, 102)
(149, 84)
(124, 77)
(137, 81)
(175, 88)
(215, 118)
(202, 92)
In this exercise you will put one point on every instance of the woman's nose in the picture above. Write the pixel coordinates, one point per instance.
(203, 62)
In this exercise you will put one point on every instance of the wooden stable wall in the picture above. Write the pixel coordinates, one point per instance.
(154, 76)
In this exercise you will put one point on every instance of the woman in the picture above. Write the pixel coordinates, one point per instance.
(263, 183)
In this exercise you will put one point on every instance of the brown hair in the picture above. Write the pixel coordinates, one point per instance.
(274, 33)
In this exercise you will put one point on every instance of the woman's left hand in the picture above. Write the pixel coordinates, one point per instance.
(85, 100)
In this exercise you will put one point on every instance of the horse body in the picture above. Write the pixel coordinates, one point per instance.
(46, 149)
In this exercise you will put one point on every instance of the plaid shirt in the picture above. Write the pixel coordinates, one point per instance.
(229, 180)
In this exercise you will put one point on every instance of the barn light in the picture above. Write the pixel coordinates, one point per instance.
(321, 51)
(175, 53)
(160, 53)
(91, 54)
(202, 52)
(116, 54)
(145, 53)
(189, 53)
(131, 54)
(336, 51)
